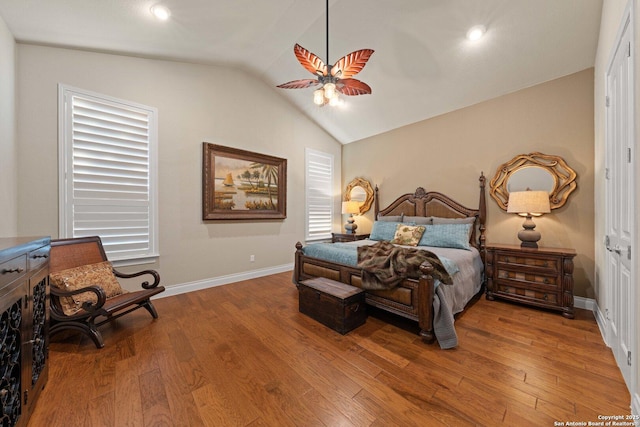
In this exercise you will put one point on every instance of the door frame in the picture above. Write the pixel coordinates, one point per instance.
(627, 21)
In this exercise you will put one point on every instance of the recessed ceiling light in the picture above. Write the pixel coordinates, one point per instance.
(476, 32)
(160, 12)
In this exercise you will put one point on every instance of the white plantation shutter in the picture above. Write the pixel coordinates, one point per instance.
(319, 194)
(107, 163)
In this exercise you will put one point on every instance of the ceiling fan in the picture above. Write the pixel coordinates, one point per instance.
(333, 79)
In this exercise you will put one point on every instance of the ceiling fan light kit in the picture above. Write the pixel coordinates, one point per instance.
(333, 79)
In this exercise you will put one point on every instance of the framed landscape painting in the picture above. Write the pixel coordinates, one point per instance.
(239, 184)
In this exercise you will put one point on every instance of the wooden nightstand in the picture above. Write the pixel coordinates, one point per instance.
(540, 277)
(347, 237)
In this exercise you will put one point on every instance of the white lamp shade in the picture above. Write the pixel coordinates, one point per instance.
(528, 202)
(350, 207)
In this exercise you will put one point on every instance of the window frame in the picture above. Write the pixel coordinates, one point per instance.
(66, 146)
(324, 234)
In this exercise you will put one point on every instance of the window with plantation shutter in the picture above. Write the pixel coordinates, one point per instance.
(108, 172)
(319, 194)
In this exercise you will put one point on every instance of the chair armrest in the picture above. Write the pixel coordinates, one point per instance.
(88, 306)
(145, 284)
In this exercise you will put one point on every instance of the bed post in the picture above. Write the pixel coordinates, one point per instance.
(425, 302)
(483, 215)
(376, 204)
(298, 264)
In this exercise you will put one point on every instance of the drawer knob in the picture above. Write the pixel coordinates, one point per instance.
(40, 256)
(546, 281)
(546, 264)
(506, 259)
(12, 270)
(546, 297)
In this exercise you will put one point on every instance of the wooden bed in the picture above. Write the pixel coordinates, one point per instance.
(412, 299)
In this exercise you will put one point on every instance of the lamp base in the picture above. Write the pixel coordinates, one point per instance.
(351, 225)
(529, 237)
(528, 244)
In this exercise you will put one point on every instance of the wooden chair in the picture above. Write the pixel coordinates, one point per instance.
(77, 252)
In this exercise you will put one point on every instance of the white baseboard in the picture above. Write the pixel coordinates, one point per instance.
(183, 288)
(585, 303)
(601, 320)
(591, 305)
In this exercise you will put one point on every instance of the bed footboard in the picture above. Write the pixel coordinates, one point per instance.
(412, 299)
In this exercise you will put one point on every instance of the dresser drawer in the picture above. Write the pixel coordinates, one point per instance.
(38, 257)
(12, 270)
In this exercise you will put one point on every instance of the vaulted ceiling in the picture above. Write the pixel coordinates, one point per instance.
(423, 65)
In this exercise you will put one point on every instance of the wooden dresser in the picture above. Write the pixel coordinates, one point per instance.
(24, 323)
(540, 277)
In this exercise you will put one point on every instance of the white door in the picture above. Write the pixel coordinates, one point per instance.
(620, 202)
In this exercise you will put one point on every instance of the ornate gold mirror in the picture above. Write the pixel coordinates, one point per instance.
(535, 171)
(360, 190)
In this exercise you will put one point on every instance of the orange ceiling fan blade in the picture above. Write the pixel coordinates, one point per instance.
(351, 64)
(352, 87)
(310, 61)
(299, 84)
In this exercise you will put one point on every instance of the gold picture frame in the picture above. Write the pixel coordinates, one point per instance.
(242, 185)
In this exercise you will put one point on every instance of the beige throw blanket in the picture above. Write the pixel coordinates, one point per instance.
(385, 265)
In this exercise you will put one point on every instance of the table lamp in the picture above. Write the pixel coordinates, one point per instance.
(351, 207)
(528, 203)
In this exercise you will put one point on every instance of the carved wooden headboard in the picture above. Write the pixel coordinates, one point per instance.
(432, 203)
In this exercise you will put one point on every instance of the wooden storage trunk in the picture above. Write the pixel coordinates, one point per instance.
(336, 305)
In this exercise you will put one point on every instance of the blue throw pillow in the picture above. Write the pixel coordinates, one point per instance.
(447, 236)
(383, 230)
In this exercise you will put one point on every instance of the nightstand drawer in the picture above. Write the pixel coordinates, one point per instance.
(550, 282)
(528, 294)
(518, 261)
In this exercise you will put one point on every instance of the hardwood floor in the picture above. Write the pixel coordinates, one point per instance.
(242, 355)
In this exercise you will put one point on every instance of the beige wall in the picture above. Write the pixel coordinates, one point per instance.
(195, 103)
(8, 142)
(612, 15)
(448, 152)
